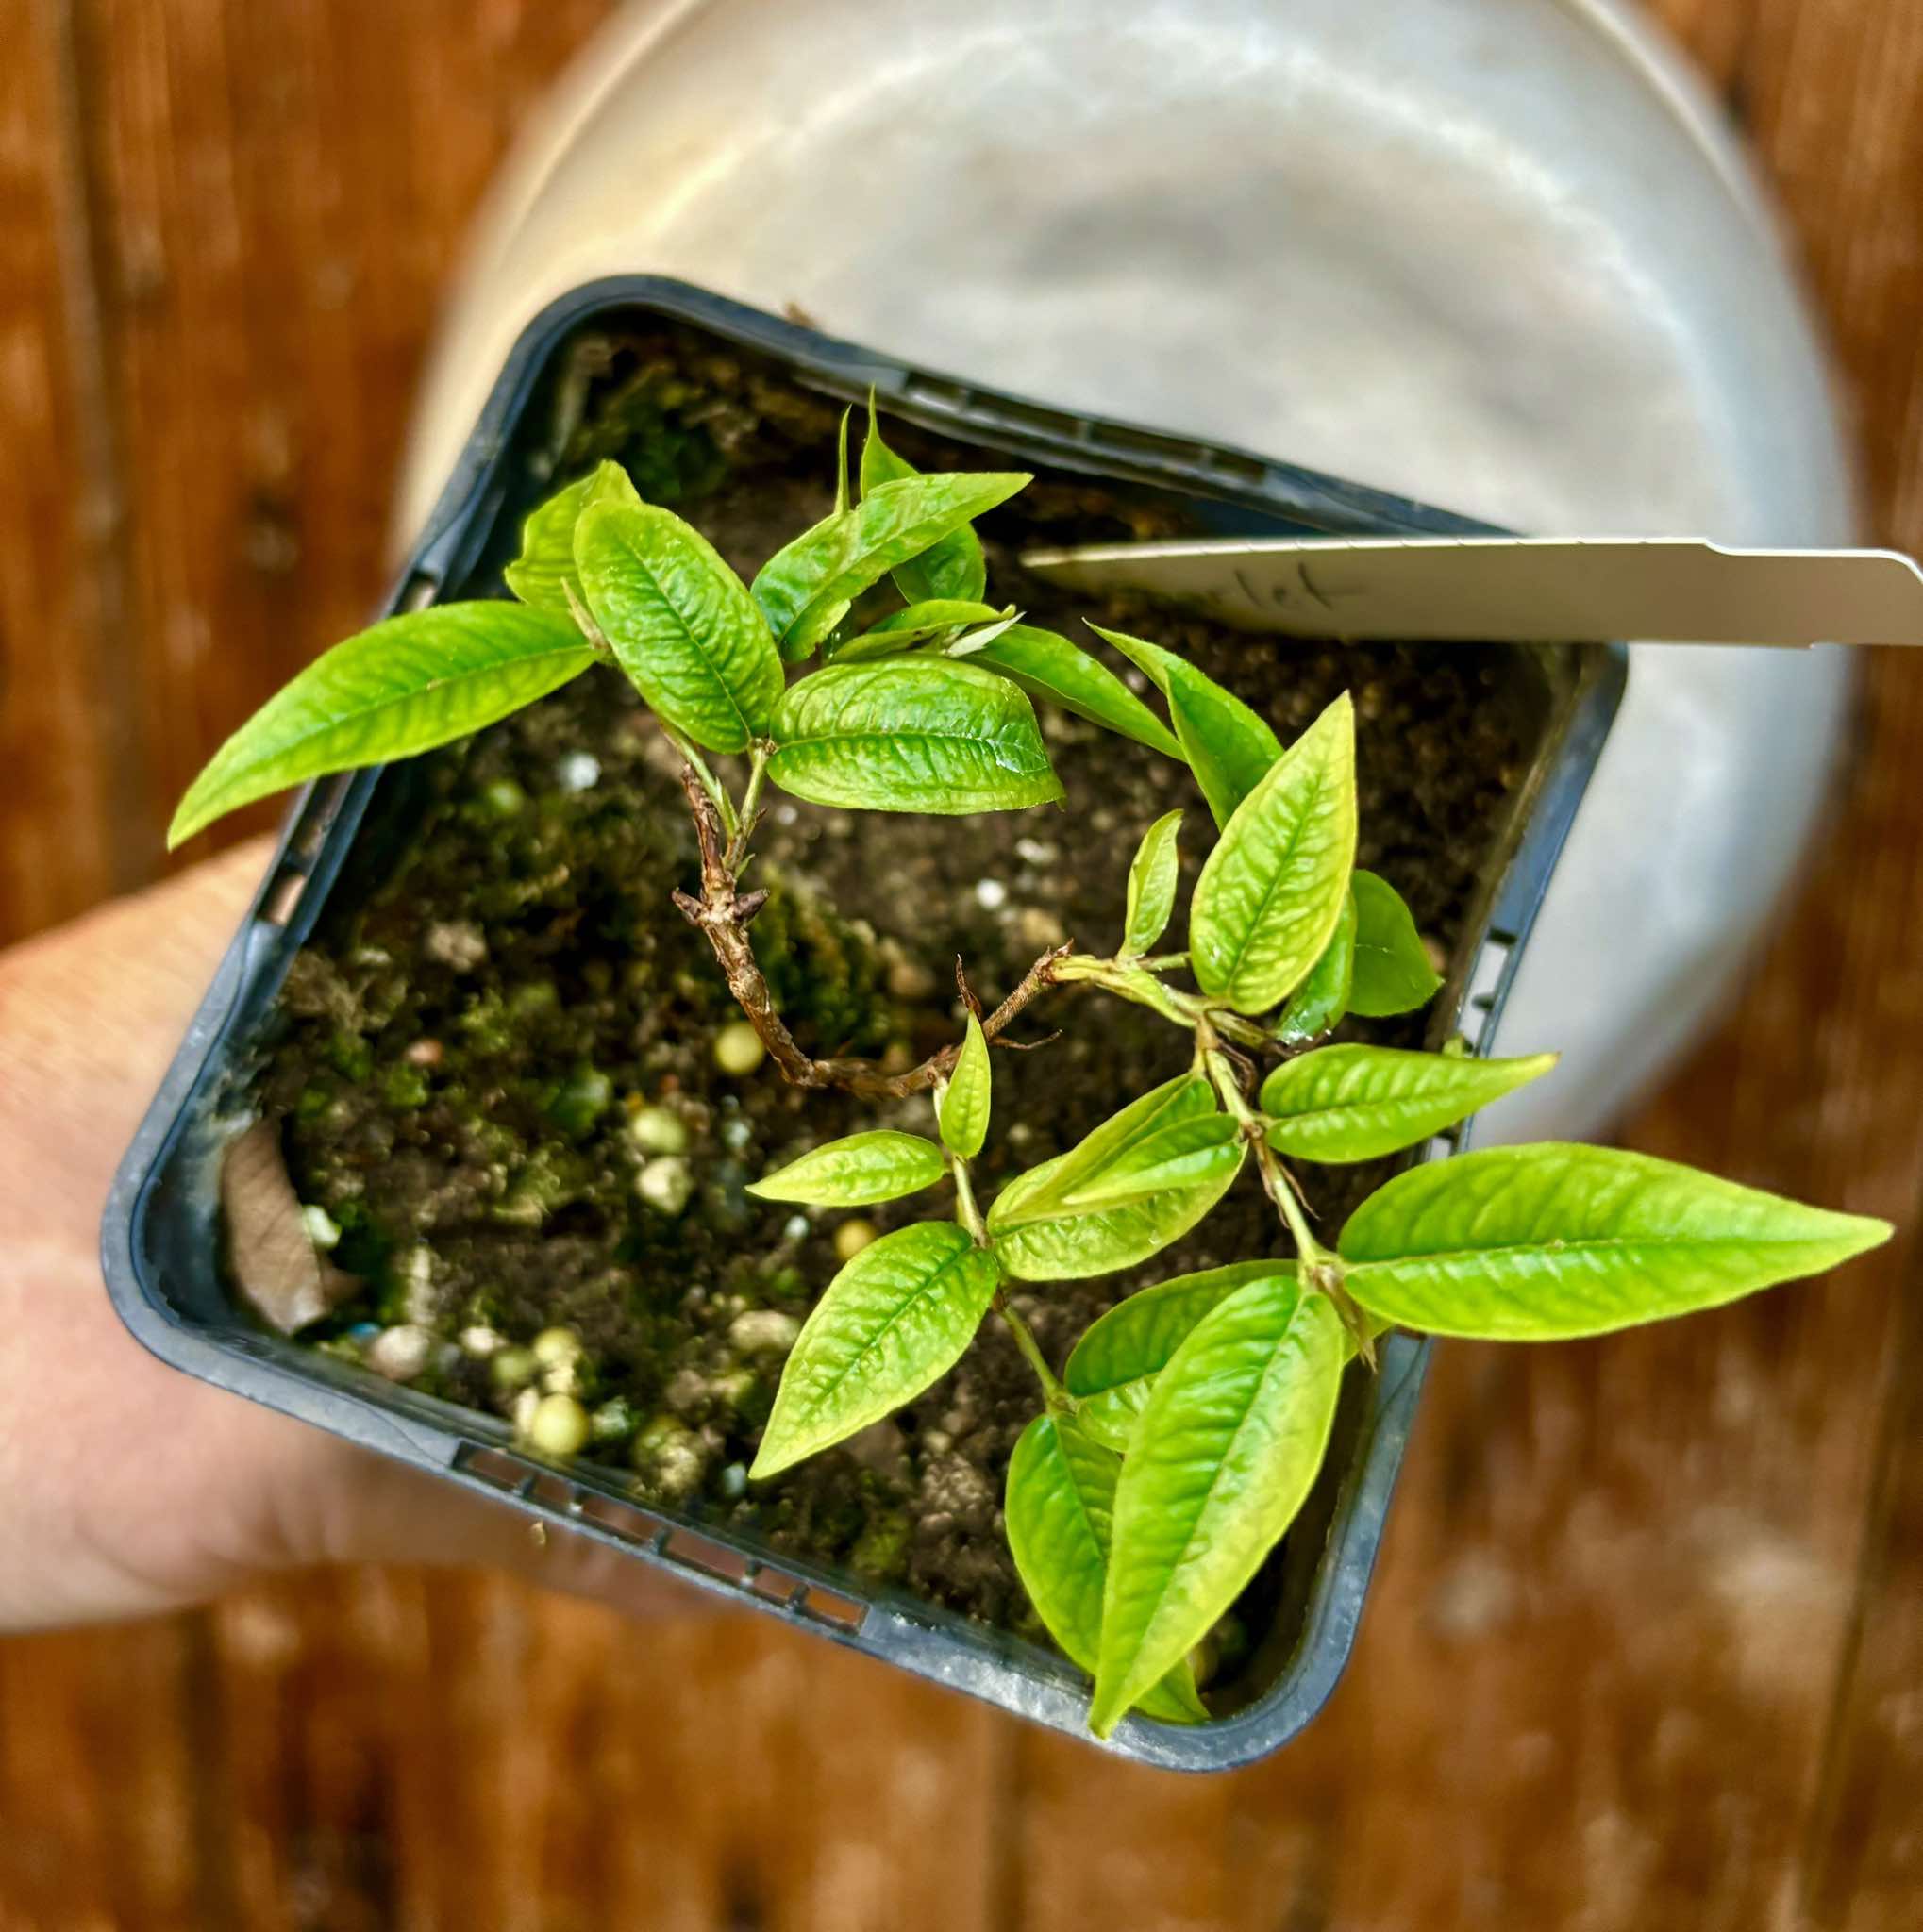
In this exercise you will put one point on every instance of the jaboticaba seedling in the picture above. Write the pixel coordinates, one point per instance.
(1175, 1443)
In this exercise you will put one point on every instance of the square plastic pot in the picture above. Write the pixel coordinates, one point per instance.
(161, 1236)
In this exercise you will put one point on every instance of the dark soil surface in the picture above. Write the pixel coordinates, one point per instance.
(483, 1056)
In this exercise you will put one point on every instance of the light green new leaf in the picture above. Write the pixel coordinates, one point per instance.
(1353, 1103)
(681, 623)
(1317, 1004)
(910, 734)
(545, 573)
(406, 686)
(855, 1172)
(1226, 745)
(943, 620)
(1046, 665)
(1111, 1370)
(1153, 874)
(1039, 1193)
(806, 587)
(1059, 1500)
(1272, 892)
(1042, 1234)
(961, 1105)
(953, 567)
(845, 496)
(1222, 1460)
(1538, 1243)
(896, 1318)
(1392, 970)
(1186, 1154)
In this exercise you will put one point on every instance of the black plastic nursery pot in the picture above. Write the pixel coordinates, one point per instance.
(162, 1236)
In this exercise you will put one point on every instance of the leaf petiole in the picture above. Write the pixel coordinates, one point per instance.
(750, 804)
(966, 1212)
(730, 823)
(1058, 1398)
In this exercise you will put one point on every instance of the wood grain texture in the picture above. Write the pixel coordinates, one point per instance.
(1645, 1644)
(57, 564)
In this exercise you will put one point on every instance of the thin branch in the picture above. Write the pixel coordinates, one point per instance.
(724, 915)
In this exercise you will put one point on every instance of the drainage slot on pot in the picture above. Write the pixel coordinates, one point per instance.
(622, 1519)
(714, 1559)
(825, 1607)
(1486, 981)
(553, 1492)
(776, 1585)
(491, 1466)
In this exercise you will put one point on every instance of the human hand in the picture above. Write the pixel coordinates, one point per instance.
(125, 1488)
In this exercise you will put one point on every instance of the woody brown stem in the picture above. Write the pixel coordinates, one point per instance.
(724, 914)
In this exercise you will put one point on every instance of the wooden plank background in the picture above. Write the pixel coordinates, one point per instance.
(1647, 1648)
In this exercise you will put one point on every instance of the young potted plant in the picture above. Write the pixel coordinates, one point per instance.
(623, 1097)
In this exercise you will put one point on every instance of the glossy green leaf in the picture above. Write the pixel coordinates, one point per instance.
(1153, 876)
(406, 686)
(1048, 666)
(544, 572)
(910, 734)
(1272, 892)
(933, 615)
(941, 620)
(1185, 1154)
(1538, 1243)
(961, 1104)
(680, 622)
(1059, 1500)
(1042, 1234)
(896, 1318)
(1111, 1370)
(951, 567)
(1227, 746)
(1353, 1103)
(1222, 1460)
(806, 587)
(855, 1172)
(1317, 1004)
(1392, 970)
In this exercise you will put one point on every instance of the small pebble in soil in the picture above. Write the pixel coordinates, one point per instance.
(734, 1482)
(763, 1331)
(990, 894)
(668, 1457)
(657, 1130)
(738, 1049)
(481, 1342)
(322, 1229)
(559, 1427)
(852, 1237)
(400, 1354)
(456, 943)
(513, 1368)
(665, 1183)
(555, 1346)
(735, 1135)
(581, 771)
